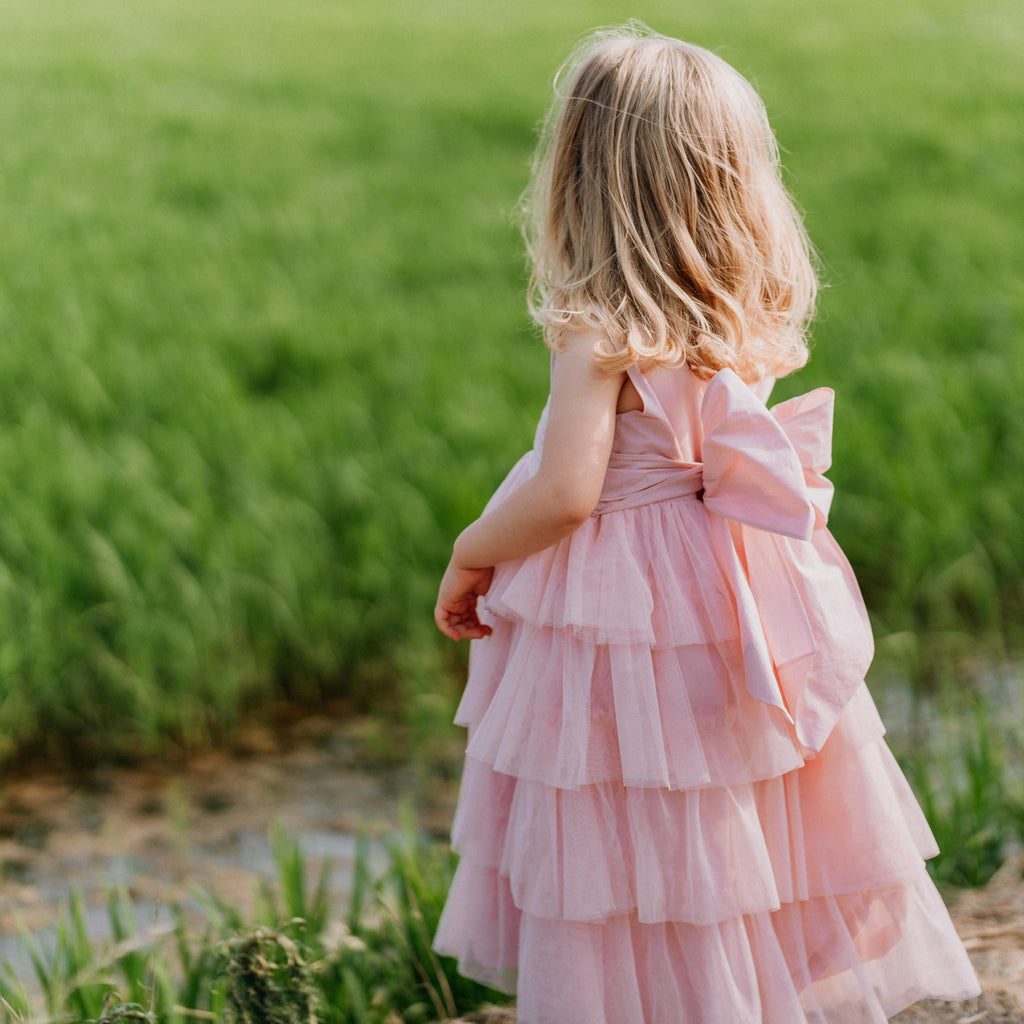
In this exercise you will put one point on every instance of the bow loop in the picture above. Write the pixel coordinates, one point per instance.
(764, 468)
(807, 422)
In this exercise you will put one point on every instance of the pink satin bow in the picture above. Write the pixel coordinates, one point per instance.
(764, 468)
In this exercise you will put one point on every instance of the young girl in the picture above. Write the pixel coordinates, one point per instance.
(677, 806)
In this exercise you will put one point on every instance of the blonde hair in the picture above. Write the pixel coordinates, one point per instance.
(656, 210)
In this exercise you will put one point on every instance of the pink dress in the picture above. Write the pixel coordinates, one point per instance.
(677, 805)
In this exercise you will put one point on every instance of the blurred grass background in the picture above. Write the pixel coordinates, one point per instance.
(263, 348)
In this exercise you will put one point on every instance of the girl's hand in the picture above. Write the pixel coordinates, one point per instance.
(455, 611)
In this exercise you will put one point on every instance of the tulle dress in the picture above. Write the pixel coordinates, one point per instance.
(677, 805)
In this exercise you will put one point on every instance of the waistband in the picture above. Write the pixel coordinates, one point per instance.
(632, 481)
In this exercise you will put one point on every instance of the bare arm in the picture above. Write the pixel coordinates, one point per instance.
(552, 503)
(567, 485)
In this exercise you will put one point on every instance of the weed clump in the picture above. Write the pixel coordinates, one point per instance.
(125, 1013)
(268, 979)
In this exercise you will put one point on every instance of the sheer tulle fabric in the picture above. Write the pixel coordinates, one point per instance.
(677, 805)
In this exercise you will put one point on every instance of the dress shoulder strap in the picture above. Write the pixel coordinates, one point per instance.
(652, 403)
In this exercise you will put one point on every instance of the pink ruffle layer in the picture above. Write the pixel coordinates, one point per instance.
(545, 706)
(606, 583)
(847, 821)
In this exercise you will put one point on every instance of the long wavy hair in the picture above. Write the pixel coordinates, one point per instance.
(656, 210)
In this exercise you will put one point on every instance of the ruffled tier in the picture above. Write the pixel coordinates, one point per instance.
(656, 575)
(544, 705)
(844, 823)
(839, 959)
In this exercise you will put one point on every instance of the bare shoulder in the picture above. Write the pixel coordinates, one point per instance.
(577, 339)
(575, 353)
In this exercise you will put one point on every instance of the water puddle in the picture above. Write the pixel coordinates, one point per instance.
(161, 833)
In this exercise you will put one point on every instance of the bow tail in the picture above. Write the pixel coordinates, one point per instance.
(760, 676)
(815, 626)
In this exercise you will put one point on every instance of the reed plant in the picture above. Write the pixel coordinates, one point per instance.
(968, 773)
(295, 960)
(264, 349)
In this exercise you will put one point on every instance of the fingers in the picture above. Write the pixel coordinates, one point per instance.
(477, 632)
(460, 625)
(455, 612)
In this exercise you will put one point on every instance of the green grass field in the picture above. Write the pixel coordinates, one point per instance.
(263, 347)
